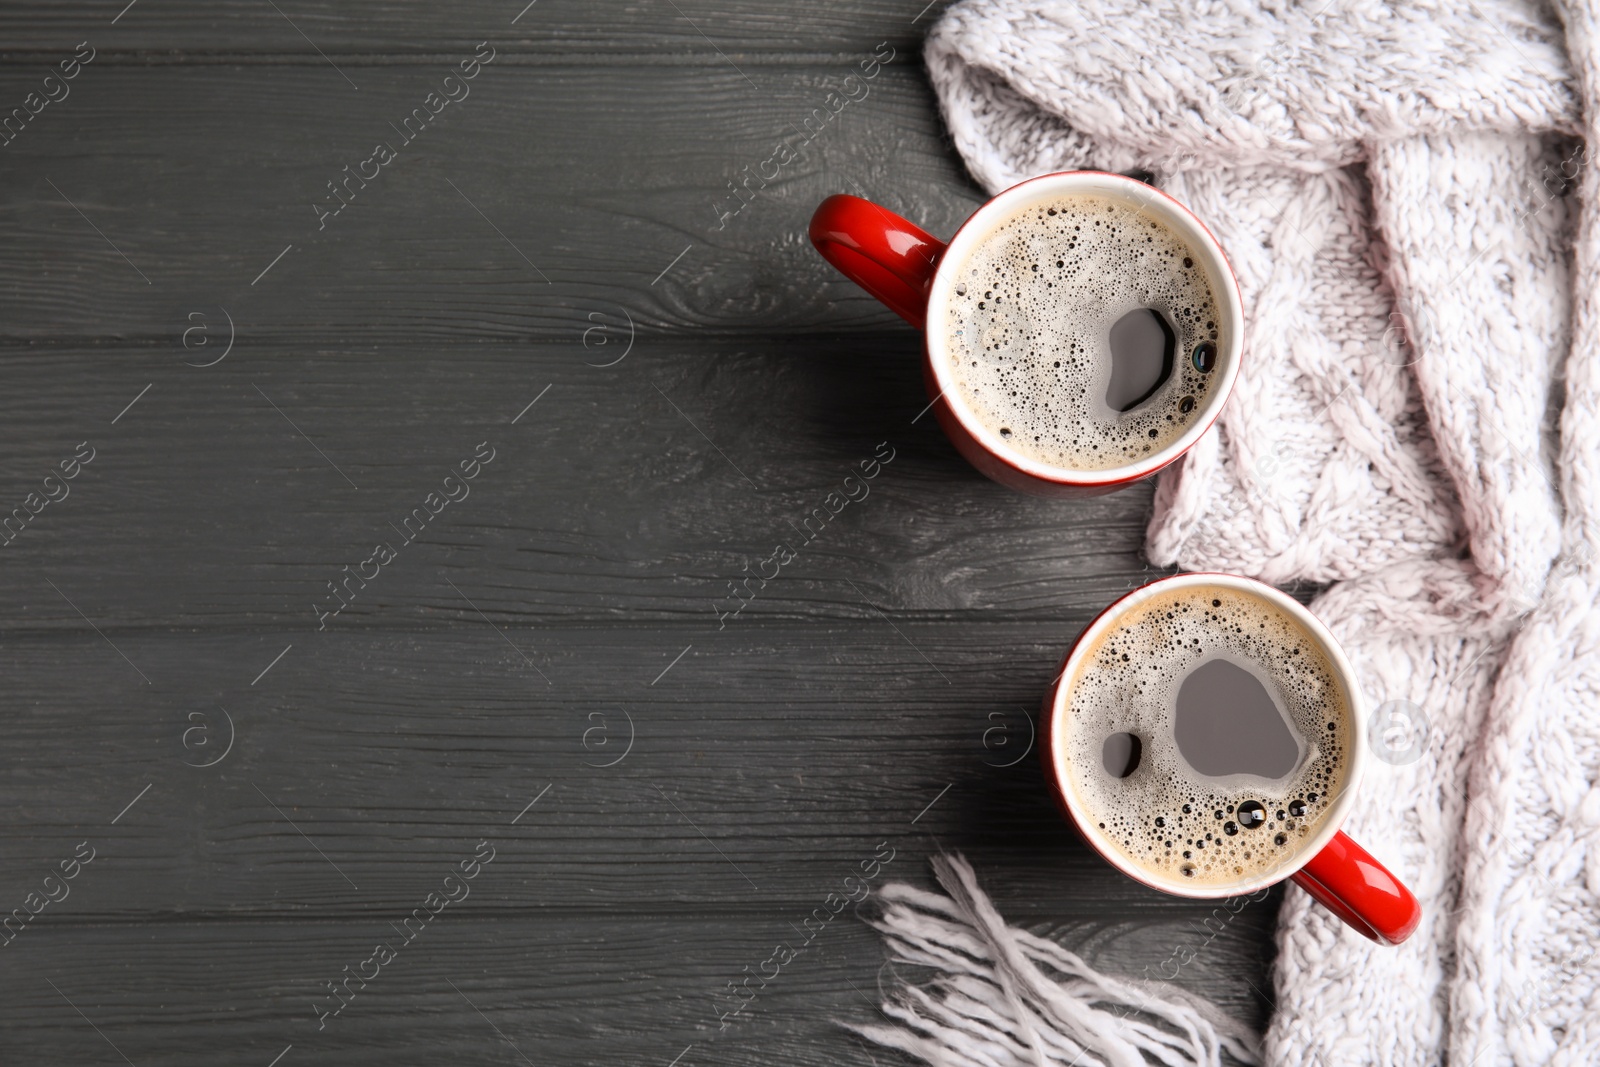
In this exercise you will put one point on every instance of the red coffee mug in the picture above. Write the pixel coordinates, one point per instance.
(1337, 872)
(913, 273)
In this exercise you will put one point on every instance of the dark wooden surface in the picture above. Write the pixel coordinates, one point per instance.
(296, 789)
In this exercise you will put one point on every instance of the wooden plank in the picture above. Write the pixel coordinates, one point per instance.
(192, 28)
(265, 797)
(480, 988)
(546, 197)
(759, 756)
(639, 490)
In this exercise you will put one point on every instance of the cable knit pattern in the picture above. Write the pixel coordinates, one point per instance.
(1325, 469)
(1526, 989)
(1402, 628)
(1393, 185)
(1479, 264)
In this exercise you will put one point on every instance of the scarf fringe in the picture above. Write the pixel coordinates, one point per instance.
(1002, 997)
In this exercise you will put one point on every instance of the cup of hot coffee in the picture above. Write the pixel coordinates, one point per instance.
(1204, 737)
(1082, 330)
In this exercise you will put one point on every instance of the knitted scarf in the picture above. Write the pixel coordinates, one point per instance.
(1405, 193)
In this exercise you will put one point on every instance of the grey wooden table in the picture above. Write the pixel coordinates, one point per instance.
(408, 491)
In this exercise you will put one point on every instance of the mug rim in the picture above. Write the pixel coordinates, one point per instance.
(1143, 197)
(1344, 674)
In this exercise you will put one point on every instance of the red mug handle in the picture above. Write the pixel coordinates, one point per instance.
(1345, 879)
(890, 258)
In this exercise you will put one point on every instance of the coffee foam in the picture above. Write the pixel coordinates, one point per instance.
(1128, 682)
(1029, 325)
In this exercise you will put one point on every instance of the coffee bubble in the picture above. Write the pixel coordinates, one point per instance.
(1161, 812)
(1042, 314)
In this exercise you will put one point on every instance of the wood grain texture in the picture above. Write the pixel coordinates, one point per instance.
(264, 796)
(478, 987)
(764, 769)
(640, 490)
(760, 755)
(356, 29)
(544, 196)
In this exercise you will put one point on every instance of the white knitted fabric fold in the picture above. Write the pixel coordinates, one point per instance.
(1394, 185)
